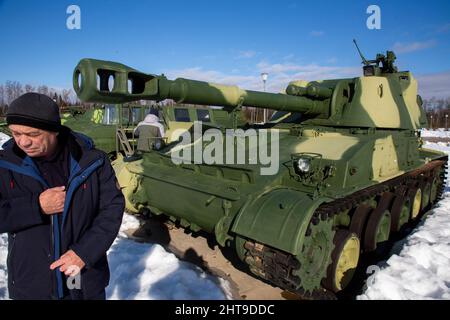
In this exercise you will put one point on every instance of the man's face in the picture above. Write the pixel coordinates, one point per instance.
(34, 142)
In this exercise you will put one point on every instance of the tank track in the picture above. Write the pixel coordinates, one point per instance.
(442, 176)
(277, 267)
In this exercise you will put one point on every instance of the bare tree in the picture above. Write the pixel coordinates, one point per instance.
(11, 91)
(29, 88)
(52, 94)
(2, 95)
(438, 111)
(43, 89)
(77, 101)
(8, 91)
(17, 89)
(66, 97)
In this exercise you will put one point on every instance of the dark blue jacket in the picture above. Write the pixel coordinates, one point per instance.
(91, 219)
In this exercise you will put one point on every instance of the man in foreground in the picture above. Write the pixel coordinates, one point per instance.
(60, 204)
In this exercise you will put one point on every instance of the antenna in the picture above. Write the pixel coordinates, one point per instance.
(360, 54)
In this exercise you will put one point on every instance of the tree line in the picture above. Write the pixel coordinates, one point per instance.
(11, 90)
(438, 112)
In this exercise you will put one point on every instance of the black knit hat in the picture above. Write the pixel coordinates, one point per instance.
(34, 110)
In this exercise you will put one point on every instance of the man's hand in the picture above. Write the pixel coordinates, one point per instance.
(69, 263)
(52, 200)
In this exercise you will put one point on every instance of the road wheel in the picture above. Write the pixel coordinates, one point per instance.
(434, 190)
(379, 224)
(345, 257)
(415, 196)
(425, 186)
(400, 211)
(359, 220)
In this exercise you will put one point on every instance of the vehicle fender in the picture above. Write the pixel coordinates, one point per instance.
(278, 218)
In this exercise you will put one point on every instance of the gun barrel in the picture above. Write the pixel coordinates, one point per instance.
(111, 82)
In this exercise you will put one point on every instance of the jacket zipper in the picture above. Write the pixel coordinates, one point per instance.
(78, 174)
(81, 172)
(11, 256)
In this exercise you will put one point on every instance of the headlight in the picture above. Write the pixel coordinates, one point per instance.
(303, 164)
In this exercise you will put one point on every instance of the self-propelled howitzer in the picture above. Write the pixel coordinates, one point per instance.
(351, 169)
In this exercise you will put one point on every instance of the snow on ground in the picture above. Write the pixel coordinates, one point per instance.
(420, 268)
(439, 146)
(148, 271)
(441, 133)
(3, 138)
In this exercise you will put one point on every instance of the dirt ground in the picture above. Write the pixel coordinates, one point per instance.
(209, 256)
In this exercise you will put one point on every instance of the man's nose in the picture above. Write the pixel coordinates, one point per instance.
(25, 141)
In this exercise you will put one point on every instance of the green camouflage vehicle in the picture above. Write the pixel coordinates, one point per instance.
(351, 169)
(182, 117)
(101, 123)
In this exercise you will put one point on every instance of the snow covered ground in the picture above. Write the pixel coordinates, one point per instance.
(148, 271)
(438, 133)
(3, 138)
(419, 268)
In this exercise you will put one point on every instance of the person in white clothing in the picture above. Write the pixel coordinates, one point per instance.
(150, 132)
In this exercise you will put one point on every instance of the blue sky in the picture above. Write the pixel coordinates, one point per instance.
(224, 41)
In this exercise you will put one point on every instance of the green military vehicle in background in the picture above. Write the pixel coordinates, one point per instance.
(108, 123)
(101, 123)
(181, 117)
(352, 170)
